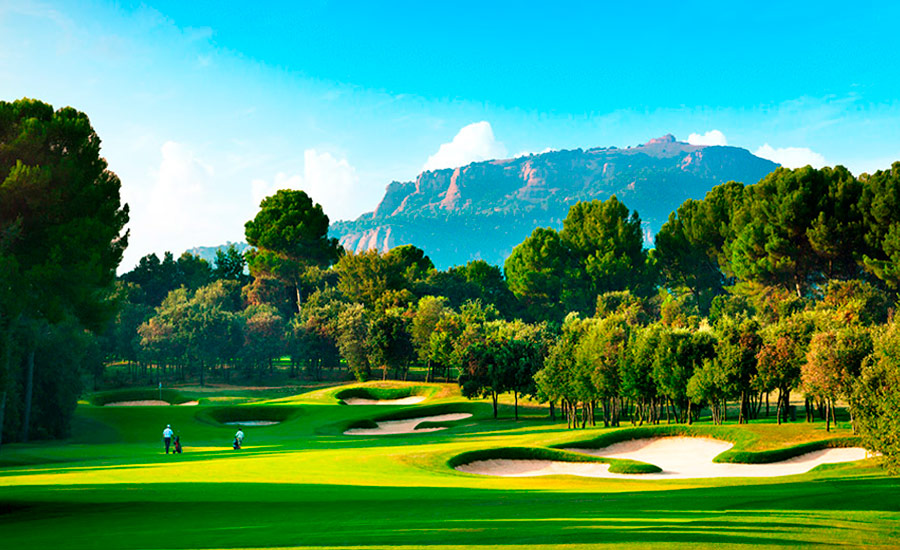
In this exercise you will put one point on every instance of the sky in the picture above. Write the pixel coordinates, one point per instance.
(205, 108)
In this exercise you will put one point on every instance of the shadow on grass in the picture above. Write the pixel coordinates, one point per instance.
(254, 515)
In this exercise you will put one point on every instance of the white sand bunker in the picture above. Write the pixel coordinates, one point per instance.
(148, 403)
(678, 457)
(411, 400)
(407, 426)
(144, 403)
(253, 423)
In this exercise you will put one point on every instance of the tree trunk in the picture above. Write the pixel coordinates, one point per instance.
(516, 395)
(29, 390)
(552, 412)
(780, 405)
(494, 398)
(827, 415)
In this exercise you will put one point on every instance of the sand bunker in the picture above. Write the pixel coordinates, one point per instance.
(253, 423)
(678, 457)
(148, 403)
(411, 400)
(144, 403)
(407, 426)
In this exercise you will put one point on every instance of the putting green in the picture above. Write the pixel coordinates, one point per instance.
(302, 483)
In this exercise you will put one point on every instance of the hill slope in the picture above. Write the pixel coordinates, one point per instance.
(486, 208)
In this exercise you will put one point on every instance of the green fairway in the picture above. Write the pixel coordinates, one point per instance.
(303, 483)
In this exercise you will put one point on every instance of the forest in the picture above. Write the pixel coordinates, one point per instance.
(756, 293)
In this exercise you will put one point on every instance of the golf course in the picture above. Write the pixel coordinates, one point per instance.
(311, 476)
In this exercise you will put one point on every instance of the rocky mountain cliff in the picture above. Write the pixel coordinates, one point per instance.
(486, 208)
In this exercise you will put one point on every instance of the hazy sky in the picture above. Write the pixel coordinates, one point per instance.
(206, 107)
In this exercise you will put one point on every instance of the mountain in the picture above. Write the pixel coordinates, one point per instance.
(483, 210)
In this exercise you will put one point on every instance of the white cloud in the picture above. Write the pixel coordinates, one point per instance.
(791, 157)
(179, 190)
(327, 180)
(177, 207)
(541, 152)
(474, 142)
(712, 137)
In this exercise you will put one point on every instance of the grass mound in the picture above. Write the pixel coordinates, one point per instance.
(383, 393)
(739, 454)
(777, 455)
(429, 410)
(616, 466)
(248, 413)
(364, 424)
(101, 398)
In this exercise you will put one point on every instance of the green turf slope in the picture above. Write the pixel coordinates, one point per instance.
(303, 484)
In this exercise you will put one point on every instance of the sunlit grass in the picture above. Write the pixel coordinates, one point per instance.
(301, 483)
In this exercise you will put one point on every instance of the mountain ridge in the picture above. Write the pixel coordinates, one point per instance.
(482, 210)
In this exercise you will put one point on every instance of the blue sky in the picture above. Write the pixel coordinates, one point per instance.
(205, 107)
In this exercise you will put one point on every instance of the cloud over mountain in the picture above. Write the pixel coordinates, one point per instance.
(472, 143)
(712, 137)
(791, 157)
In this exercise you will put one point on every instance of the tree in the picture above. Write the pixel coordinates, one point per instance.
(779, 359)
(522, 360)
(535, 271)
(690, 245)
(352, 338)
(367, 276)
(636, 371)
(230, 264)
(559, 379)
(680, 352)
(477, 280)
(875, 399)
(880, 208)
(735, 363)
(606, 242)
(410, 262)
(290, 234)
(264, 336)
(390, 346)
(429, 312)
(61, 222)
(797, 228)
(601, 353)
(833, 363)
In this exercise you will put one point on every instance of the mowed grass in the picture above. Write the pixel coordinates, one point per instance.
(302, 483)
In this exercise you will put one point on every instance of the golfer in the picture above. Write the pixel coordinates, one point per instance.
(239, 436)
(167, 436)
